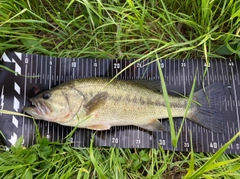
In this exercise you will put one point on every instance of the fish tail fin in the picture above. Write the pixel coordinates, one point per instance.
(207, 112)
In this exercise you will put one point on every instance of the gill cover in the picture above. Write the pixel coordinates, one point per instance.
(59, 104)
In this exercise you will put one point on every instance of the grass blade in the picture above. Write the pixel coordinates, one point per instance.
(166, 99)
(205, 167)
(94, 161)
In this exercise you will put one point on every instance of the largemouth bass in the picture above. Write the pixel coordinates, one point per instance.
(96, 104)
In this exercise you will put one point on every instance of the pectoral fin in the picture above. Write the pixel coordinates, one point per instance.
(96, 102)
(99, 127)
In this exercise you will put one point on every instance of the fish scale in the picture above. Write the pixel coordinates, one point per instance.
(179, 75)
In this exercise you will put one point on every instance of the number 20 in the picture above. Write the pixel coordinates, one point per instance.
(114, 140)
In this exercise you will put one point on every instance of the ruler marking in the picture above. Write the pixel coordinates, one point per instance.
(101, 136)
(212, 75)
(199, 72)
(208, 146)
(192, 130)
(30, 125)
(151, 70)
(227, 73)
(134, 71)
(36, 67)
(105, 141)
(31, 71)
(201, 129)
(235, 98)
(54, 82)
(49, 86)
(99, 69)
(50, 73)
(179, 75)
(41, 70)
(59, 76)
(55, 71)
(90, 62)
(109, 65)
(45, 71)
(223, 79)
(121, 67)
(73, 68)
(196, 127)
(86, 67)
(228, 131)
(78, 65)
(233, 132)
(82, 136)
(217, 71)
(208, 83)
(128, 70)
(231, 103)
(169, 72)
(188, 74)
(82, 74)
(69, 70)
(95, 67)
(223, 137)
(64, 70)
(112, 73)
(183, 64)
(193, 72)
(24, 95)
(237, 75)
(174, 73)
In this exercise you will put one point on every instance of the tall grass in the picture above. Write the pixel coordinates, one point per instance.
(118, 29)
(80, 28)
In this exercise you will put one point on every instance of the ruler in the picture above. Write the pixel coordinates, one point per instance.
(178, 74)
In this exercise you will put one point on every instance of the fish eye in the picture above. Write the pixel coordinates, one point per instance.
(46, 95)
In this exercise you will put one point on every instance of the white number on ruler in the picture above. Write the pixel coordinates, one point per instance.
(231, 64)
(183, 64)
(162, 142)
(74, 64)
(115, 140)
(186, 144)
(213, 145)
(116, 65)
(162, 65)
(139, 65)
(138, 141)
(237, 146)
(207, 64)
(26, 60)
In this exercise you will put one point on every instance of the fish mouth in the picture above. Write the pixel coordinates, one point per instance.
(38, 109)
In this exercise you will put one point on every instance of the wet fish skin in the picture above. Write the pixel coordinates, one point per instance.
(96, 104)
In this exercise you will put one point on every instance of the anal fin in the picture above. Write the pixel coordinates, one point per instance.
(99, 127)
(154, 125)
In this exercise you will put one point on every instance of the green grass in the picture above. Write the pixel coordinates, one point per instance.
(118, 29)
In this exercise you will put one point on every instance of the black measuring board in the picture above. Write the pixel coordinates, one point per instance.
(48, 72)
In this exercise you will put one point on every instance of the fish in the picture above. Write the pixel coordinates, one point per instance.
(98, 104)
